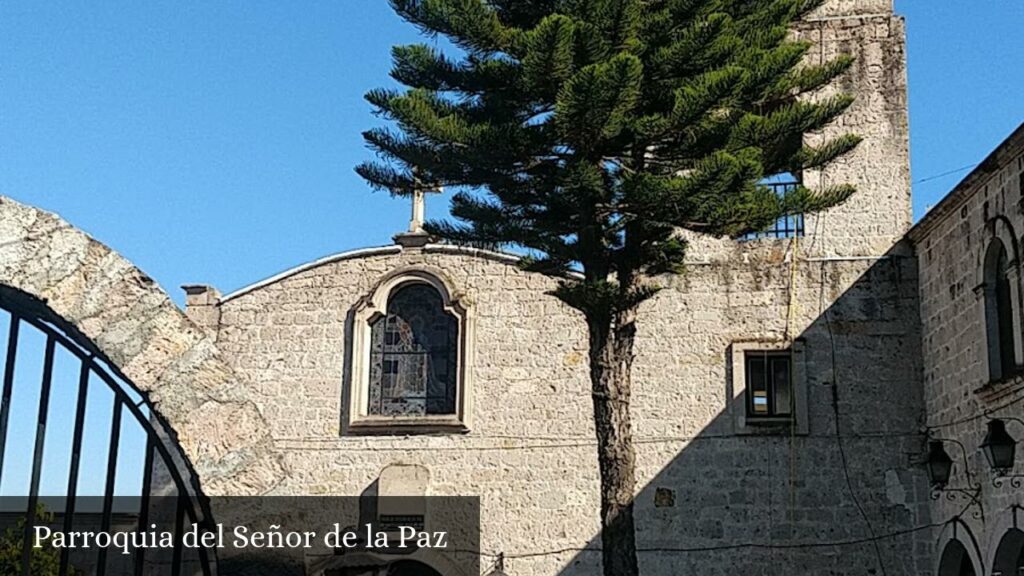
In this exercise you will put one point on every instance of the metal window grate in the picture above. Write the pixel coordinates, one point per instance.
(392, 522)
(790, 226)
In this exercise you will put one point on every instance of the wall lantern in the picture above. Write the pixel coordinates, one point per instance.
(940, 469)
(939, 464)
(999, 447)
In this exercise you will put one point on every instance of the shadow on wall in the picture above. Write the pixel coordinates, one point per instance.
(771, 499)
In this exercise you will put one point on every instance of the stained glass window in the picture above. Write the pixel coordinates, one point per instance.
(413, 355)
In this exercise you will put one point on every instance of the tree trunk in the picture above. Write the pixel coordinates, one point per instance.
(611, 362)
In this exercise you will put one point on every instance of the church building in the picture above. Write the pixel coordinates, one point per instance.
(838, 395)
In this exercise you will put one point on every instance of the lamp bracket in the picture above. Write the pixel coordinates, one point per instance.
(971, 494)
(1015, 480)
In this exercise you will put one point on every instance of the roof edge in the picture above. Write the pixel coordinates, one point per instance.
(967, 186)
(369, 252)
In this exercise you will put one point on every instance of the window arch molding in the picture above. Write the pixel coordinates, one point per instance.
(373, 308)
(956, 548)
(1007, 522)
(999, 296)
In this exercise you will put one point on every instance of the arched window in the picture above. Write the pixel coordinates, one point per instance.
(1009, 558)
(999, 311)
(413, 355)
(955, 561)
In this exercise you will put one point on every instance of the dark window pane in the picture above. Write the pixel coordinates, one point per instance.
(782, 384)
(757, 385)
(788, 226)
(1004, 317)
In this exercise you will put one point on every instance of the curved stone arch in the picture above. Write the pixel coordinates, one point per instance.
(1009, 553)
(436, 561)
(1000, 227)
(958, 533)
(454, 299)
(120, 314)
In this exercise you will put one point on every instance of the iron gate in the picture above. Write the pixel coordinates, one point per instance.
(106, 443)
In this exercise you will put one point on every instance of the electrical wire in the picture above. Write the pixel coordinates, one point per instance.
(333, 444)
(561, 442)
(944, 174)
(743, 545)
(839, 435)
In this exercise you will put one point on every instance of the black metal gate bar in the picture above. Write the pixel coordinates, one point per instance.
(108, 492)
(5, 403)
(204, 557)
(115, 387)
(37, 456)
(179, 529)
(76, 459)
(147, 485)
(189, 501)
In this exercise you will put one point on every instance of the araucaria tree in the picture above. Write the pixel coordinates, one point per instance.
(588, 133)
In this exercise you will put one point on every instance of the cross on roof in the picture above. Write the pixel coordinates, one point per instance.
(417, 237)
(419, 203)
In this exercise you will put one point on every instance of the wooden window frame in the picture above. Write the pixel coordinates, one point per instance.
(744, 422)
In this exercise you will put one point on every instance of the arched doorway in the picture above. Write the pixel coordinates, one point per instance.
(955, 561)
(1009, 560)
(79, 443)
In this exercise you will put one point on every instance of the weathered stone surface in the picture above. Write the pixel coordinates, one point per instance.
(128, 319)
(951, 242)
(839, 8)
(530, 454)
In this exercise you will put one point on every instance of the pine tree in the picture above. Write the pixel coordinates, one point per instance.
(588, 133)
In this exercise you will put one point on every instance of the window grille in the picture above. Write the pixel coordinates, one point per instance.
(789, 226)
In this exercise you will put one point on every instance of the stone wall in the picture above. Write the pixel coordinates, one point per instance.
(951, 242)
(777, 503)
(877, 216)
(842, 8)
(530, 452)
(254, 383)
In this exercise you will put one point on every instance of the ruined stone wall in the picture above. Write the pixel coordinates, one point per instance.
(951, 242)
(530, 452)
(844, 8)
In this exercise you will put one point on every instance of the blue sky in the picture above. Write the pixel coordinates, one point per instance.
(213, 142)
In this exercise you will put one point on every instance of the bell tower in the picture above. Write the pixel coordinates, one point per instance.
(879, 214)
